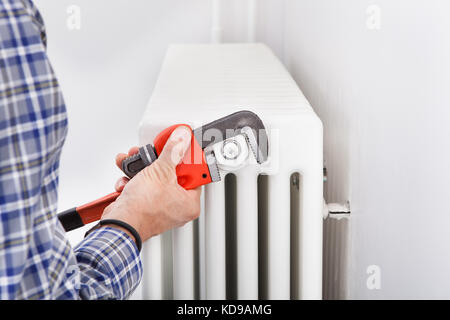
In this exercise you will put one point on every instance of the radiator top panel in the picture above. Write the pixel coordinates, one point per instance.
(202, 82)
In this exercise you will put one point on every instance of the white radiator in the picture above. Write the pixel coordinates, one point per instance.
(259, 235)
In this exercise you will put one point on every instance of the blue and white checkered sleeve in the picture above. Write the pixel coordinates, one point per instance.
(109, 263)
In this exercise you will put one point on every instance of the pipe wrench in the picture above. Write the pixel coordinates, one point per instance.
(224, 144)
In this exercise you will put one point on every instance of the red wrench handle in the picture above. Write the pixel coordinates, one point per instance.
(77, 217)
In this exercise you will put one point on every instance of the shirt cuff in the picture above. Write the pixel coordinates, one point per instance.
(113, 258)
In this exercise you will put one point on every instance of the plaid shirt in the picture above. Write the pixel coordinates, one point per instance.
(36, 260)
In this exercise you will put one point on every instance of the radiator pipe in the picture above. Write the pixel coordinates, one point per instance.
(216, 22)
(251, 20)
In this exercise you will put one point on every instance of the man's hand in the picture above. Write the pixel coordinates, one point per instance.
(153, 201)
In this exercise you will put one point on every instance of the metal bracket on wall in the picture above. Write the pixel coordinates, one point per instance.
(334, 210)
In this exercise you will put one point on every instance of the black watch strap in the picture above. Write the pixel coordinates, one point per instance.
(119, 223)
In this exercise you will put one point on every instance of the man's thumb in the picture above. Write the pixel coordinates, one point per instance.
(176, 146)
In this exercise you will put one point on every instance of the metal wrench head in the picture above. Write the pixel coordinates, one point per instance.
(244, 122)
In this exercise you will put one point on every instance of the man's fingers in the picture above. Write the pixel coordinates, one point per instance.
(133, 150)
(176, 146)
(120, 184)
(119, 159)
(122, 156)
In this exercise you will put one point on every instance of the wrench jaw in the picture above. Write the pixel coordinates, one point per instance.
(258, 146)
(244, 123)
(214, 171)
(233, 154)
(231, 140)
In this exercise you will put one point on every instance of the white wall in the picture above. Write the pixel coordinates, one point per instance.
(384, 99)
